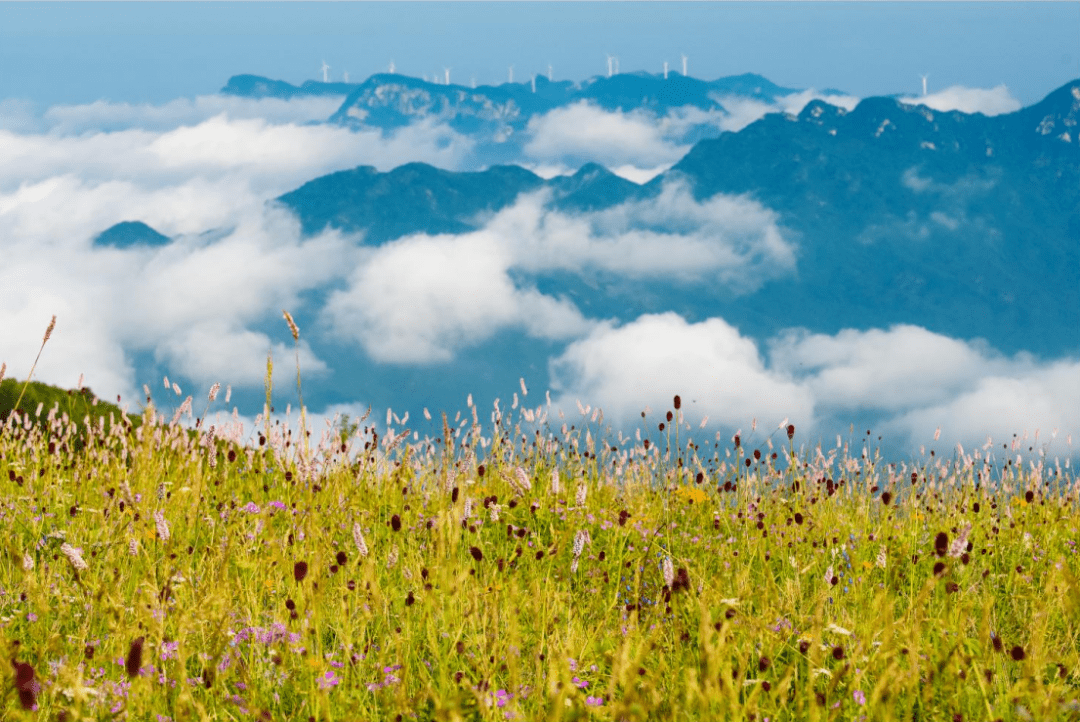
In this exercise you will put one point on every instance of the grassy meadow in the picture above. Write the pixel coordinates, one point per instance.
(520, 567)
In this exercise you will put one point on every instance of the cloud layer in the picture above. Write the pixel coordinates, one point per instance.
(200, 306)
(913, 381)
(417, 299)
(988, 101)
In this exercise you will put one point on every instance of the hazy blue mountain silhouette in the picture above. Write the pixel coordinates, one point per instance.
(419, 198)
(255, 86)
(130, 233)
(965, 224)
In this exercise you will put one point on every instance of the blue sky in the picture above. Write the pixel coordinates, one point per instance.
(154, 52)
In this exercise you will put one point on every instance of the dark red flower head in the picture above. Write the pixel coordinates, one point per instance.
(134, 657)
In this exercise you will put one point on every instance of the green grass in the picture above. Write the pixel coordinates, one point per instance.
(438, 578)
(755, 629)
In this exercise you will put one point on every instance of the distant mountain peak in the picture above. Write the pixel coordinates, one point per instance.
(130, 233)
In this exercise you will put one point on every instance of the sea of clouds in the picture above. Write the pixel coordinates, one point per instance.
(202, 171)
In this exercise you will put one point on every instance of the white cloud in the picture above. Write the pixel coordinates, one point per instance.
(992, 101)
(270, 159)
(889, 370)
(729, 239)
(742, 111)
(419, 298)
(105, 116)
(795, 102)
(639, 175)
(911, 380)
(581, 133)
(716, 371)
(1020, 400)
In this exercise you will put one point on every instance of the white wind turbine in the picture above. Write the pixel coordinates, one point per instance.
(549, 72)
(665, 70)
(534, 82)
(391, 67)
(511, 73)
(447, 75)
(609, 59)
(325, 72)
(684, 59)
(924, 77)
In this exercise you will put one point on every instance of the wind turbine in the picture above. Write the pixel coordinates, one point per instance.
(511, 74)
(684, 64)
(473, 82)
(609, 59)
(447, 72)
(665, 70)
(391, 67)
(924, 77)
(325, 70)
(549, 72)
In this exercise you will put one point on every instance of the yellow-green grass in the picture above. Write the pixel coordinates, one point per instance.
(442, 582)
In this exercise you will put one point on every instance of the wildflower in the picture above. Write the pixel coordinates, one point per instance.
(358, 539)
(941, 544)
(579, 498)
(594, 701)
(300, 571)
(860, 697)
(580, 540)
(252, 508)
(669, 572)
(134, 658)
(292, 325)
(74, 555)
(523, 479)
(329, 680)
(959, 545)
(26, 685)
(27, 562)
(555, 482)
(168, 650)
(162, 526)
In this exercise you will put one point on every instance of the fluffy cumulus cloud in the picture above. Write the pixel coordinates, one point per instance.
(716, 371)
(418, 299)
(912, 381)
(583, 132)
(988, 101)
(192, 304)
(729, 239)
